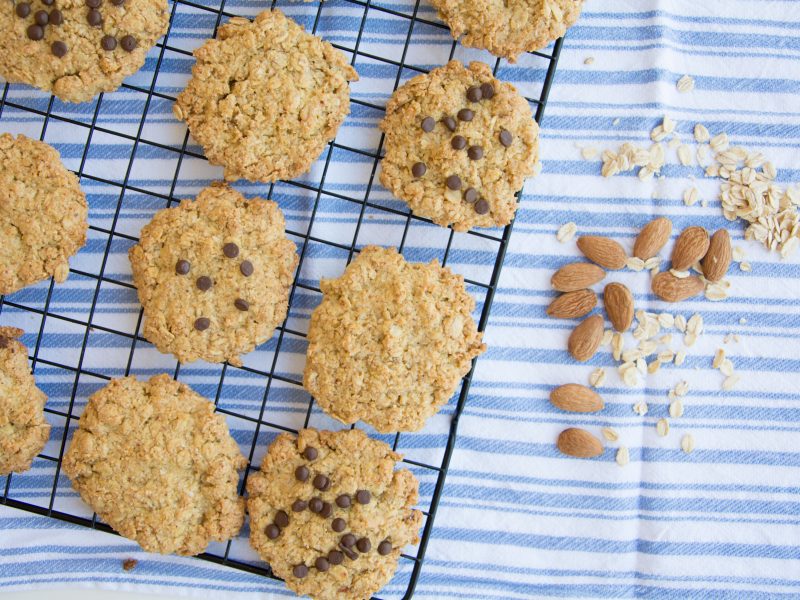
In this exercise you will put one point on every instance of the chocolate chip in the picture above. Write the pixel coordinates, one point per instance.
(363, 545)
(481, 207)
(58, 49)
(281, 519)
(47, 2)
(301, 473)
(458, 142)
(450, 123)
(4, 342)
(471, 195)
(506, 138)
(363, 496)
(117, 2)
(272, 531)
(35, 32)
(182, 267)
(108, 43)
(348, 540)
(335, 557)
(203, 283)
(94, 18)
(300, 571)
(487, 91)
(40, 17)
(348, 552)
(419, 169)
(475, 152)
(202, 323)
(343, 501)
(315, 505)
(56, 17)
(128, 43)
(241, 304)
(230, 249)
(453, 182)
(23, 9)
(326, 511)
(321, 482)
(246, 268)
(385, 547)
(310, 453)
(322, 564)
(474, 94)
(94, 3)
(465, 114)
(428, 124)
(299, 505)
(338, 525)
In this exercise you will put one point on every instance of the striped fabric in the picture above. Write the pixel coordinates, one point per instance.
(516, 519)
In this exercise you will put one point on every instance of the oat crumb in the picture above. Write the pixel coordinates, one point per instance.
(685, 84)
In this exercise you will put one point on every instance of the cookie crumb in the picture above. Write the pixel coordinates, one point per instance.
(129, 564)
(588, 60)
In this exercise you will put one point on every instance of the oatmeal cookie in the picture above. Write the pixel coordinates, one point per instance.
(42, 214)
(330, 514)
(158, 465)
(390, 341)
(459, 145)
(265, 97)
(213, 275)
(23, 429)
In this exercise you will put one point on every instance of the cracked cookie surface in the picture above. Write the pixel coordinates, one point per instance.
(330, 514)
(265, 97)
(23, 428)
(76, 49)
(213, 275)
(390, 341)
(459, 145)
(158, 465)
(507, 28)
(43, 214)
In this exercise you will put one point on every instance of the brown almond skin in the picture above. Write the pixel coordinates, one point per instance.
(672, 289)
(618, 301)
(579, 443)
(576, 276)
(718, 258)
(603, 251)
(572, 305)
(573, 397)
(691, 246)
(652, 238)
(585, 338)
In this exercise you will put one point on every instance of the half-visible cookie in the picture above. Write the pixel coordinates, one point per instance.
(23, 429)
(158, 465)
(42, 214)
(459, 145)
(78, 48)
(213, 275)
(265, 97)
(330, 514)
(390, 341)
(508, 28)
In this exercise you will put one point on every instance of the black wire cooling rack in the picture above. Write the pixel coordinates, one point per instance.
(409, 24)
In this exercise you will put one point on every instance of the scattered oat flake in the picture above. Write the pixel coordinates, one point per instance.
(715, 292)
(607, 336)
(730, 382)
(654, 366)
(701, 134)
(685, 155)
(682, 388)
(719, 143)
(623, 456)
(634, 263)
(676, 409)
(589, 152)
(680, 274)
(588, 60)
(687, 443)
(689, 339)
(690, 196)
(610, 434)
(662, 427)
(597, 377)
(668, 124)
(567, 232)
(680, 323)
(685, 84)
(652, 263)
(719, 356)
(745, 266)
(641, 408)
(680, 357)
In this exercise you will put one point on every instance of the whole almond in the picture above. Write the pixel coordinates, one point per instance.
(691, 246)
(585, 338)
(579, 443)
(572, 304)
(618, 301)
(603, 251)
(573, 397)
(652, 238)
(674, 289)
(718, 258)
(576, 276)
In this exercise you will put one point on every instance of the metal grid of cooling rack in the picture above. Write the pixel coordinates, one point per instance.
(408, 20)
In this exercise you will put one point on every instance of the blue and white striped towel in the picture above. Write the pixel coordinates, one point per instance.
(516, 519)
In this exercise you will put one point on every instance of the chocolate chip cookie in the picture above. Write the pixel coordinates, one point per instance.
(78, 48)
(265, 97)
(42, 214)
(390, 341)
(158, 465)
(23, 429)
(330, 514)
(213, 275)
(459, 145)
(508, 28)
